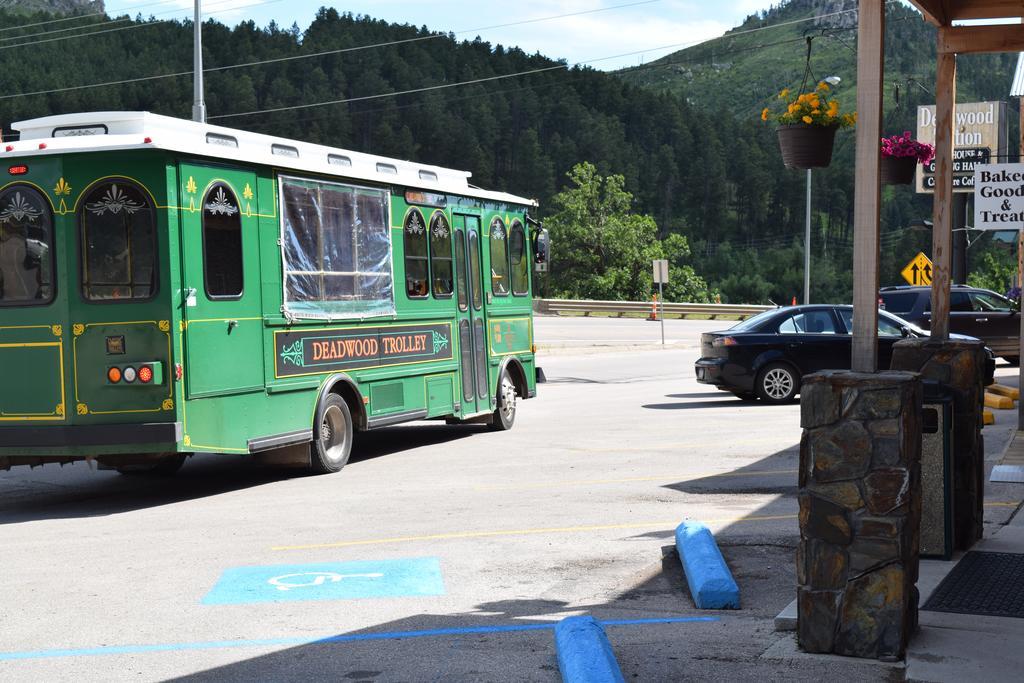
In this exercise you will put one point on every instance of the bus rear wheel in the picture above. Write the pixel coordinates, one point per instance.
(504, 415)
(332, 436)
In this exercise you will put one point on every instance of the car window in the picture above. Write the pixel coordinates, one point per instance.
(887, 327)
(811, 322)
(899, 302)
(960, 302)
(983, 301)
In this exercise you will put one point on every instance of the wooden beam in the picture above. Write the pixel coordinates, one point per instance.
(975, 39)
(867, 194)
(985, 9)
(942, 229)
(932, 11)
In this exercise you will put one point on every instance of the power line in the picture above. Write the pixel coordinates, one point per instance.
(62, 20)
(131, 27)
(276, 60)
(419, 38)
(512, 75)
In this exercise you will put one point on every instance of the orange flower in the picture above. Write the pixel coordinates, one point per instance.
(764, 114)
(807, 119)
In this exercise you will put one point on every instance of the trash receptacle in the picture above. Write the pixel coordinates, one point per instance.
(937, 471)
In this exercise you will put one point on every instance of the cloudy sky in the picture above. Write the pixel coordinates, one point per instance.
(606, 34)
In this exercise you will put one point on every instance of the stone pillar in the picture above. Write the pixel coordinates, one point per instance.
(860, 512)
(959, 365)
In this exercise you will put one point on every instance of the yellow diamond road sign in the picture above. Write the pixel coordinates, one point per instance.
(918, 271)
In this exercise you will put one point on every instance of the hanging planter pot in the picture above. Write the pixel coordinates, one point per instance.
(897, 170)
(806, 146)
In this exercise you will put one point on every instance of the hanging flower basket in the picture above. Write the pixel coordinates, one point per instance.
(897, 170)
(900, 154)
(806, 146)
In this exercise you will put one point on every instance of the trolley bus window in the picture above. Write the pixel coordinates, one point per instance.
(336, 248)
(416, 274)
(460, 261)
(26, 247)
(222, 243)
(474, 270)
(441, 256)
(499, 258)
(118, 243)
(520, 265)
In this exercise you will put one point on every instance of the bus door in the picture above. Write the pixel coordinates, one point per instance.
(220, 295)
(476, 394)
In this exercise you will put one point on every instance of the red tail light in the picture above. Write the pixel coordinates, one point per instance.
(145, 374)
(20, 169)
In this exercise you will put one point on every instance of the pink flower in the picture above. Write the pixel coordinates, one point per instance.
(902, 146)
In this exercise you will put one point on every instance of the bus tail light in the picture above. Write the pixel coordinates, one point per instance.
(136, 374)
(20, 169)
(178, 372)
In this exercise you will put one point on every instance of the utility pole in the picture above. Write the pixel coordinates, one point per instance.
(198, 105)
(807, 243)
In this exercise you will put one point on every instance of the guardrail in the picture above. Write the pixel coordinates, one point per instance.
(620, 308)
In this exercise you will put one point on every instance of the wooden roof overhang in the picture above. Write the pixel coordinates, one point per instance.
(952, 40)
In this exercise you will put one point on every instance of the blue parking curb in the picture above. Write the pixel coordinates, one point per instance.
(584, 653)
(711, 582)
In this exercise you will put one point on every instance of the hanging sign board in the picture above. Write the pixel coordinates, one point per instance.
(918, 271)
(979, 136)
(660, 271)
(999, 197)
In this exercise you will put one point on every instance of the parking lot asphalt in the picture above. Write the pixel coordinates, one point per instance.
(439, 553)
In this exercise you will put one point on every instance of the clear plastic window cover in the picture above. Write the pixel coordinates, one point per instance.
(336, 250)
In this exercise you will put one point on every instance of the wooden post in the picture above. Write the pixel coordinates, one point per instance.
(867, 194)
(942, 228)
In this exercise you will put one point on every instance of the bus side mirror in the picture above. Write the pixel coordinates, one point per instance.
(541, 250)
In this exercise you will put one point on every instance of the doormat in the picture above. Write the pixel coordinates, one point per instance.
(982, 583)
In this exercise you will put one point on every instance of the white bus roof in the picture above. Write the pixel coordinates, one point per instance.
(117, 130)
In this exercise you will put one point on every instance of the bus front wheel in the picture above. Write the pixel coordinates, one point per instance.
(504, 415)
(332, 435)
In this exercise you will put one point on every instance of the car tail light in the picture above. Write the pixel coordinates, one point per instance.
(129, 374)
(724, 341)
(114, 375)
(145, 374)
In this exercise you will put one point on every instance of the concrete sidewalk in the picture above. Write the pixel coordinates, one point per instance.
(959, 647)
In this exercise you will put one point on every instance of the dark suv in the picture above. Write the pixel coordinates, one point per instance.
(976, 312)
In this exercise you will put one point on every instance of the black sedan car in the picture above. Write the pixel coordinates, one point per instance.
(766, 355)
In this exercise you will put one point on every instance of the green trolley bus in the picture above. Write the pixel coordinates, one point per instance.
(170, 287)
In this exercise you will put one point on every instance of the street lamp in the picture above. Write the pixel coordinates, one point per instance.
(833, 81)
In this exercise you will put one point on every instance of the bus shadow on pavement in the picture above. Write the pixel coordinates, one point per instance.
(80, 491)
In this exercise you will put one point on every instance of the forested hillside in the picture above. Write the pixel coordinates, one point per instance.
(682, 131)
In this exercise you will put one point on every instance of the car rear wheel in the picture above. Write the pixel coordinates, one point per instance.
(777, 383)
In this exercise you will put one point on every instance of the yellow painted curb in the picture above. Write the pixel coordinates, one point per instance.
(1000, 402)
(1004, 390)
(987, 417)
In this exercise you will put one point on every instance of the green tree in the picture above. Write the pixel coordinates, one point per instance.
(601, 250)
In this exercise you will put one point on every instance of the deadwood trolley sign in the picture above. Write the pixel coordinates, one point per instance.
(169, 287)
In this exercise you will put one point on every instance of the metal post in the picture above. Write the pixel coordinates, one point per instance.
(807, 243)
(661, 302)
(198, 105)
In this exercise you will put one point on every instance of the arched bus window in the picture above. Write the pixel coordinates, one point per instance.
(499, 258)
(517, 255)
(222, 243)
(26, 247)
(441, 256)
(416, 261)
(118, 234)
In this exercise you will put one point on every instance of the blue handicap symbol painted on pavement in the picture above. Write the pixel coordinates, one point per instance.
(328, 581)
